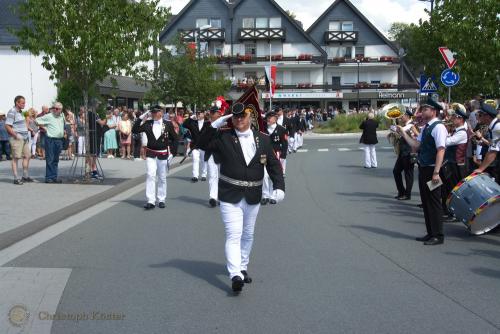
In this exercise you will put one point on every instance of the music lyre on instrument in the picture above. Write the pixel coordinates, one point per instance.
(394, 111)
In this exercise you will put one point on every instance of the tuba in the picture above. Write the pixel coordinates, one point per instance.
(394, 111)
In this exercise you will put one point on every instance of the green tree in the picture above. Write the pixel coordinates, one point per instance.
(84, 41)
(468, 28)
(185, 77)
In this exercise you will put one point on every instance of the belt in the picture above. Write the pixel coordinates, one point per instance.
(240, 183)
(157, 152)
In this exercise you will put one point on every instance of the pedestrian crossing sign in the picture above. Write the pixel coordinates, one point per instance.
(427, 84)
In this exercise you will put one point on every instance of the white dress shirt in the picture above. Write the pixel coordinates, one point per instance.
(439, 133)
(280, 120)
(157, 128)
(457, 137)
(495, 129)
(200, 124)
(271, 128)
(247, 144)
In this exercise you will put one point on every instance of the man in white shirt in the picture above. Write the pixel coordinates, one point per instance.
(488, 115)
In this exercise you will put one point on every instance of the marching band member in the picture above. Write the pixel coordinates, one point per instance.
(431, 144)
(160, 136)
(243, 154)
(454, 168)
(404, 162)
(301, 129)
(279, 142)
(213, 165)
(195, 127)
(285, 122)
(491, 163)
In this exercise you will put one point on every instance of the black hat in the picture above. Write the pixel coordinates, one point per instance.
(238, 108)
(433, 104)
(214, 109)
(271, 114)
(486, 108)
(155, 108)
(460, 113)
(409, 112)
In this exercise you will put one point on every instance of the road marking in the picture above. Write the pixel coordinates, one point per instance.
(344, 149)
(387, 147)
(322, 150)
(19, 248)
(302, 150)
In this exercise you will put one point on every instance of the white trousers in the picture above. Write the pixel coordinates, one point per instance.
(299, 140)
(283, 164)
(239, 221)
(267, 186)
(291, 144)
(213, 178)
(156, 167)
(370, 156)
(81, 145)
(199, 158)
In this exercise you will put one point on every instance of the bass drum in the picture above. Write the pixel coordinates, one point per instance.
(475, 201)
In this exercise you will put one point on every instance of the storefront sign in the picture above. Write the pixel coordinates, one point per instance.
(391, 95)
(304, 95)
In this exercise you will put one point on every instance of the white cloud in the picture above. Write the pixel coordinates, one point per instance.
(382, 13)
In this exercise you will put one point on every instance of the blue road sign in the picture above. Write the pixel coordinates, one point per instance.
(427, 84)
(449, 78)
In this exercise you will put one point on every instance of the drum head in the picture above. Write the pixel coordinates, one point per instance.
(487, 219)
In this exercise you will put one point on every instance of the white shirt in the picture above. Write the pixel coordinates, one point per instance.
(200, 124)
(271, 128)
(157, 128)
(495, 142)
(280, 120)
(457, 137)
(439, 133)
(247, 144)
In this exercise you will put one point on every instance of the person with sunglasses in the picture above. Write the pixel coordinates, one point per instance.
(243, 154)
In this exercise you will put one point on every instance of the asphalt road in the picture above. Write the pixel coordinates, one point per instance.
(337, 256)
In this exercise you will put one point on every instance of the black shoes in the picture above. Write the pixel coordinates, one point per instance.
(264, 201)
(203, 178)
(404, 198)
(53, 181)
(212, 202)
(434, 241)
(398, 196)
(149, 206)
(424, 238)
(27, 179)
(161, 205)
(18, 182)
(272, 201)
(246, 278)
(194, 179)
(238, 284)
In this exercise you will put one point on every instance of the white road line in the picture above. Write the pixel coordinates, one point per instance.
(302, 150)
(19, 248)
(322, 150)
(387, 147)
(344, 149)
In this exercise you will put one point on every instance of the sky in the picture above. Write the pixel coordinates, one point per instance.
(382, 13)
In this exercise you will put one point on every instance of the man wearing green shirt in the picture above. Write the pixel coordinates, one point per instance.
(54, 124)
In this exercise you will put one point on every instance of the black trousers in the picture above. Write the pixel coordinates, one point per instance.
(403, 164)
(431, 201)
(449, 176)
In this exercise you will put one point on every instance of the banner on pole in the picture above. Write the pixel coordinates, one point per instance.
(271, 78)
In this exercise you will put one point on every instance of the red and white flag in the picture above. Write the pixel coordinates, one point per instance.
(271, 78)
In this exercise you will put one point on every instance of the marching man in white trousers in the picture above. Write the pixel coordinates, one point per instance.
(196, 125)
(244, 154)
(160, 149)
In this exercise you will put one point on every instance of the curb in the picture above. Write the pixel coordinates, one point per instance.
(19, 233)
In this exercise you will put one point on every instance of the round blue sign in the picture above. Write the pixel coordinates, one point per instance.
(449, 78)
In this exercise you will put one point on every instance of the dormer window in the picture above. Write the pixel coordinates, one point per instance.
(215, 23)
(249, 22)
(261, 22)
(347, 26)
(340, 26)
(275, 22)
(201, 22)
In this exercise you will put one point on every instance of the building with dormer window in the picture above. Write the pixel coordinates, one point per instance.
(342, 61)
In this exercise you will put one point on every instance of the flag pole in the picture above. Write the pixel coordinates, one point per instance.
(270, 81)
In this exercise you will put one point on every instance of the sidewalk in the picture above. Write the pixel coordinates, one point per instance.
(20, 205)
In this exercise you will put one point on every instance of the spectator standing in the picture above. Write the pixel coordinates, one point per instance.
(80, 131)
(42, 134)
(54, 123)
(110, 143)
(33, 129)
(4, 138)
(369, 139)
(19, 139)
(69, 117)
(125, 129)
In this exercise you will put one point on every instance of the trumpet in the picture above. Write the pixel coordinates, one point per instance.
(394, 111)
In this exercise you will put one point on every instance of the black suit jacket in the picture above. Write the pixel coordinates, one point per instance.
(226, 146)
(192, 126)
(369, 136)
(167, 139)
(279, 140)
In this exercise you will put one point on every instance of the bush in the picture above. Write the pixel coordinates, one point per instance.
(349, 123)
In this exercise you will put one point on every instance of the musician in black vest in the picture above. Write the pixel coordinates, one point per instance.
(491, 162)
(431, 145)
(404, 162)
(278, 137)
(195, 127)
(213, 163)
(243, 154)
(159, 151)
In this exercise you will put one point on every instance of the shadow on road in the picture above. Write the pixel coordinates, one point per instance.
(486, 272)
(134, 202)
(204, 270)
(194, 200)
(382, 231)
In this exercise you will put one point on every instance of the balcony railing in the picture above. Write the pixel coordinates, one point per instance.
(262, 34)
(250, 59)
(382, 59)
(205, 35)
(352, 87)
(341, 36)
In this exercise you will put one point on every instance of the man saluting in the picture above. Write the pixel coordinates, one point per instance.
(243, 154)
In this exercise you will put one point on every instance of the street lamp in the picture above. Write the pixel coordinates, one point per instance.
(358, 61)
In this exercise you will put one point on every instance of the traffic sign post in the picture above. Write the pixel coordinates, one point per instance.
(427, 84)
(449, 79)
(448, 56)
